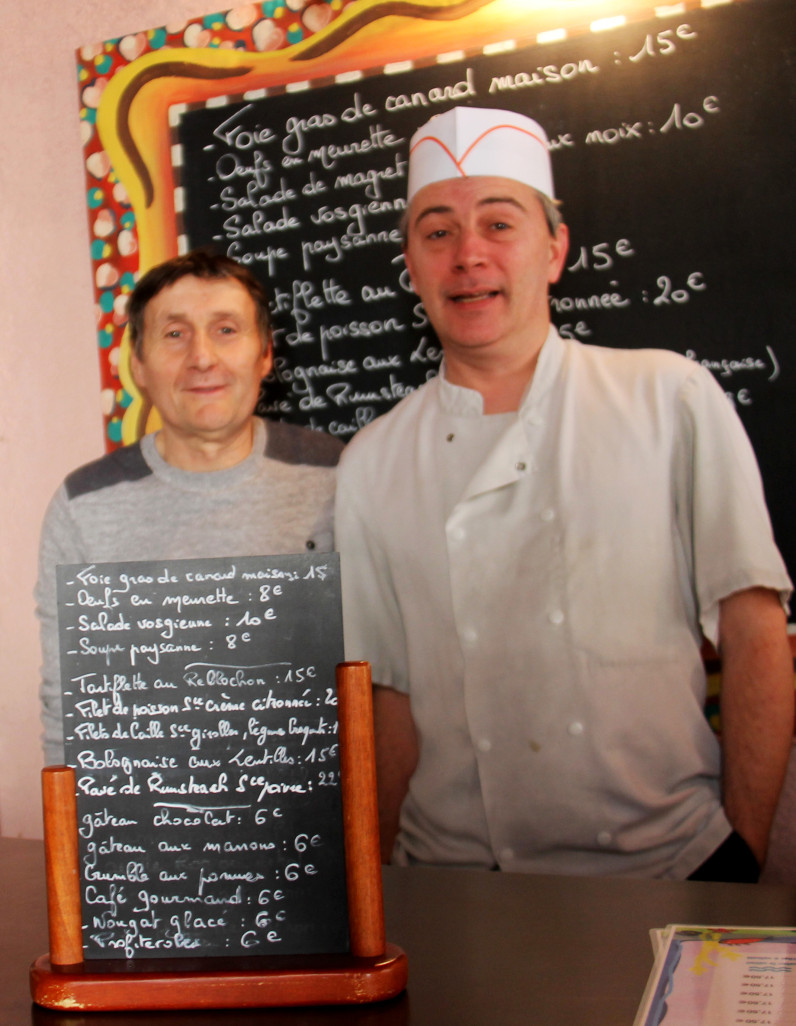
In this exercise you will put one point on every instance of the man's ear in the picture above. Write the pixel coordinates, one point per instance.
(559, 247)
(268, 356)
(408, 261)
(137, 370)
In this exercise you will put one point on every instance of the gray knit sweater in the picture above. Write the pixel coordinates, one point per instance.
(132, 505)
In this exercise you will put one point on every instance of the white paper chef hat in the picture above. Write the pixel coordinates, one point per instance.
(467, 141)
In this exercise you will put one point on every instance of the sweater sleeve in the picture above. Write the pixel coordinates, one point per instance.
(59, 543)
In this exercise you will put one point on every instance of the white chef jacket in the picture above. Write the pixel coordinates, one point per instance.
(545, 612)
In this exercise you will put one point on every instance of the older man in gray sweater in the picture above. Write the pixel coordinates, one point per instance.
(215, 480)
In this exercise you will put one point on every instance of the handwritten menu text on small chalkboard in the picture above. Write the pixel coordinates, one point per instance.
(200, 716)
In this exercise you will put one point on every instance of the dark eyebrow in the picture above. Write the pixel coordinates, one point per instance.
(501, 199)
(163, 320)
(486, 201)
(428, 211)
(186, 316)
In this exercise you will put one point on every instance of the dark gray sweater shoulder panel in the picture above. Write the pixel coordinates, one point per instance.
(126, 464)
(290, 443)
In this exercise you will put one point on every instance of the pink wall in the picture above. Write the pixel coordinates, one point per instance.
(50, 417)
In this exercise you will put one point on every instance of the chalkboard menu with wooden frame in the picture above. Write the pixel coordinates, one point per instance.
(215, 816)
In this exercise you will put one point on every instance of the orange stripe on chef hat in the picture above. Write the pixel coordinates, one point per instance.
(489, 131)
(442, 146)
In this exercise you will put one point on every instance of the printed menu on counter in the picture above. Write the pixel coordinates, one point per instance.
(200, 714)
(721, 976)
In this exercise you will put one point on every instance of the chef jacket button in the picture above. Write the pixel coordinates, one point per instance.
(604, 838)
(484, 744)
(575, 728)
(556, 616)
(548, 514)
(519, 465)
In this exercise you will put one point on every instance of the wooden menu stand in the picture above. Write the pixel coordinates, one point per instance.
(373, 970)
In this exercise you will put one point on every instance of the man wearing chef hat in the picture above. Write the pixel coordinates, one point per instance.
(534, 545)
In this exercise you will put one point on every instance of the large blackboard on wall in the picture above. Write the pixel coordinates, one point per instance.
(673, 153)
(200, 714)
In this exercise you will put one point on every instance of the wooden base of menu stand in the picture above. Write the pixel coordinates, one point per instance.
(347, 981)
(373, 971)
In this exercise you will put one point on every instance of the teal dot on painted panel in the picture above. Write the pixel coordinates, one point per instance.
(124, 398)
(295, 34)
(213, 21)
(95, 198)
(106, 302)
(89, 114)
(99, 249)
(270, 7)
(157, 38)
(127, 220)
(103, 63)
(105, 338)
(127, 281)
(115, 429)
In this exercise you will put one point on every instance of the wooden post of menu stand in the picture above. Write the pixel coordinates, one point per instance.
(373, 970)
